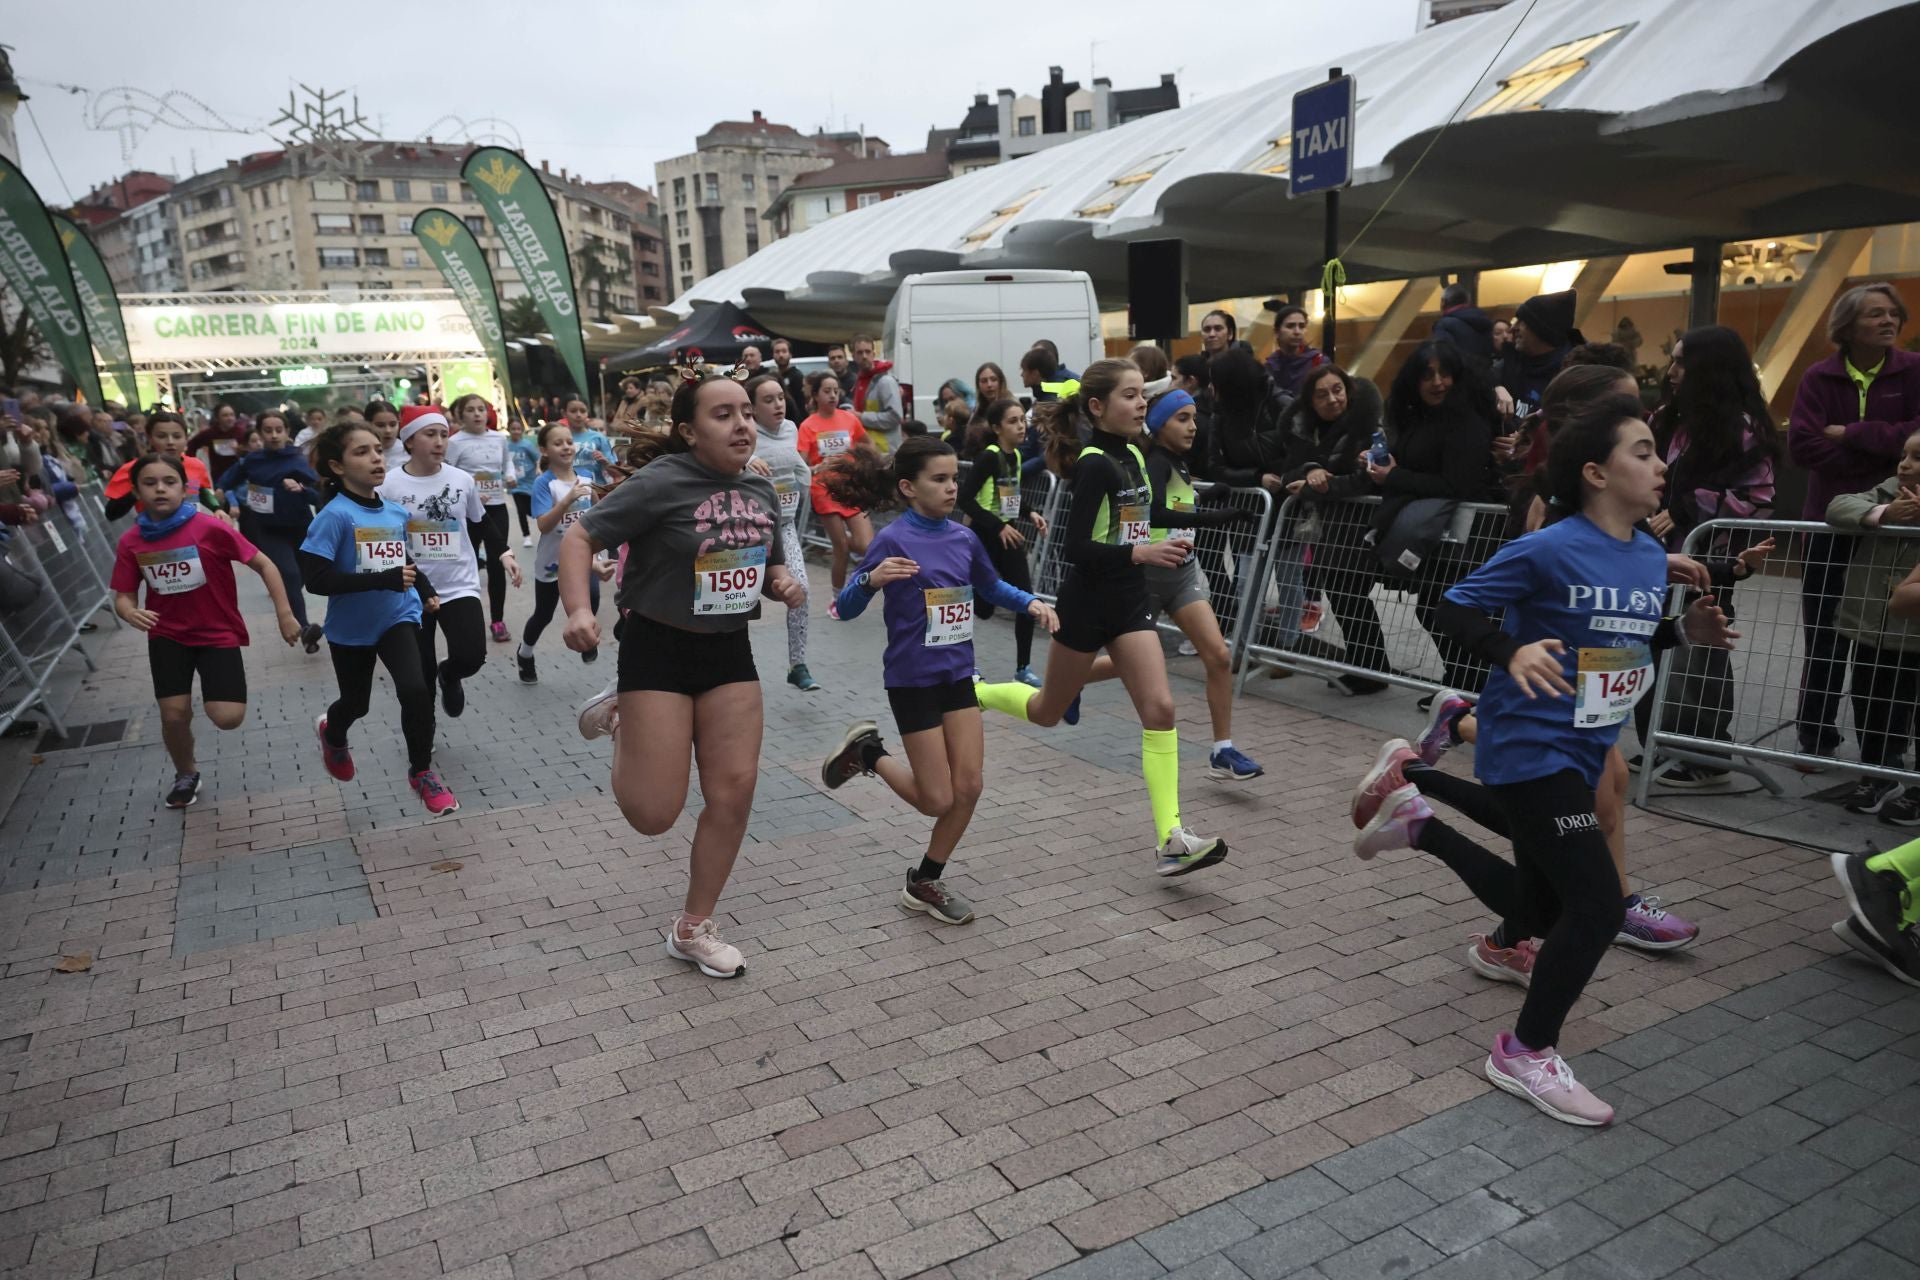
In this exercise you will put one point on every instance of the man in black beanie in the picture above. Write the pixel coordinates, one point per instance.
(1543, 333)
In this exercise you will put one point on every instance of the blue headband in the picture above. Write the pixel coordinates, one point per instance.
(1164, 408)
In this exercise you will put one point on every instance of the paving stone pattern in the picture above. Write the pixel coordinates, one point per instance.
(1270, 1068)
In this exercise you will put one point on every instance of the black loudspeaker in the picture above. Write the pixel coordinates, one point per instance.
(1156, 290)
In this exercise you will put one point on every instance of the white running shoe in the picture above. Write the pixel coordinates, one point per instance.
(600, 714)
(1184, 851)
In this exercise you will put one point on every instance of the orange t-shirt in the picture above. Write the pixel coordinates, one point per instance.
(121, 485)
(828, 437)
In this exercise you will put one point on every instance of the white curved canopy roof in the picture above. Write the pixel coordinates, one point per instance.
(1679, 120)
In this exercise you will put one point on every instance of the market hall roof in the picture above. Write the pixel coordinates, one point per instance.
(1602, 127)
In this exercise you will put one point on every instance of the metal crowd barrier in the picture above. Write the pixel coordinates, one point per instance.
(1806, 685)
(72, 565)
(1336, 610)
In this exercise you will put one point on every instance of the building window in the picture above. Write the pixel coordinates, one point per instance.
(649, 268)
(476, 224)
(439, 190)
(1082, 121)
(650, 293)
(409, 257)
(333, 224)
(466, 193)
(746, 183)
(1527, 88)
(686, 257)
(679, 193)
(377, 258)
(753, 235)
(867, 198)
(368, 189)
(773, 184)
(373, 224)
(406, 224)
(402, 189)
(713, 189)
(331, 258)
(680, 223)
(329, 189)
(1025, 126)
(273, 233)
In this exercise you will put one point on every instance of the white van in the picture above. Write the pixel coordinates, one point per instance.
(946, 324)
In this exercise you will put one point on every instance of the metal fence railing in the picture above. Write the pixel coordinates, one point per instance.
(1335, 608)
(1822, 676)
(57, 572)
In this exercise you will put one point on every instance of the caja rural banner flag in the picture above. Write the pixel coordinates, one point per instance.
(100, 304)
(35, 267)
(463, 263)
(510, 191)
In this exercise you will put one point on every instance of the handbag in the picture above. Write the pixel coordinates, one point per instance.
(1415, 531)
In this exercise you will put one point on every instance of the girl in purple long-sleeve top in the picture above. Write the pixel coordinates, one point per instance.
(929, 569)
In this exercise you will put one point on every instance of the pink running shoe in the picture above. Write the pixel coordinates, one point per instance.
(1544, 1079)
(1382, 781)
(1437, 738)
(433, 793)
(338, 760)
(1503, 964)
(1649, 927)
(703, 948)
(1394, 825)
(500, 633)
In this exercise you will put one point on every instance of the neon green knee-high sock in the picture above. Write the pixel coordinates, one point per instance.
(1010, 698)
(1160, 763)
(1905, 863)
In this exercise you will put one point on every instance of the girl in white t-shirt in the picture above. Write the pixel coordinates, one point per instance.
(440, 502)
(559, 499)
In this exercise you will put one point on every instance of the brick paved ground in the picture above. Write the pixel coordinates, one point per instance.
(322, 1037)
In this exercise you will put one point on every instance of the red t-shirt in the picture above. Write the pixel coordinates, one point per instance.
(197, 479)
(189, 578)
(223, 446)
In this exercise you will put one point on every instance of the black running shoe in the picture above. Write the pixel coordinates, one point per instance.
(453, 699)
(590, 655)
(1869, 794)
(529, 669)
(186, 790)
(858, 748)
(311, 635)
(1903, 810)
(1876, 898)
(1903, 961)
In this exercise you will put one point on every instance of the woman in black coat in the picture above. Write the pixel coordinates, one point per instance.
(1246, 449)
(1440, 420)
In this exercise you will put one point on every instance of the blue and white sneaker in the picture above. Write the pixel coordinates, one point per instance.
(1230, 764)
(1024, 675)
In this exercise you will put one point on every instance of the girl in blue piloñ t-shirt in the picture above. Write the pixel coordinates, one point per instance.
(929, 568)
(356, 554)
(1584, 601)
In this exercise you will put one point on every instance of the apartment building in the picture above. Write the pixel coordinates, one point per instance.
(278, 220)
(714, 197)
(1016, 124)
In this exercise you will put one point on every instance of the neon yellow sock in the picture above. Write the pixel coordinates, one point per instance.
(1160, 763)
(1905, 863)
(1010, 698)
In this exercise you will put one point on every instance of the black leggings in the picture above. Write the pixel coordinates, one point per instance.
(1011, 564)
(399, 652)
(1562, 888)
(546, 598)
(280, 546)
(523, 503)
(491, 533)
(465, 628)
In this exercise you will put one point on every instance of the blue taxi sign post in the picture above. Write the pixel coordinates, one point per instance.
(1322, 161)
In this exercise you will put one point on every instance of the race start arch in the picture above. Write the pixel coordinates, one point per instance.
(276, 341)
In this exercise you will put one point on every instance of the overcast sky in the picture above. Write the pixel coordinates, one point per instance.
(608, 87)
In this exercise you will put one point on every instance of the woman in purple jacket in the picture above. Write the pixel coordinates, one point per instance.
(1851, 417)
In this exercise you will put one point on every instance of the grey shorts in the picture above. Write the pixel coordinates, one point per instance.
(1171, 590)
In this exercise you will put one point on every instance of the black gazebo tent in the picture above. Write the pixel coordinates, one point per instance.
(719, 332)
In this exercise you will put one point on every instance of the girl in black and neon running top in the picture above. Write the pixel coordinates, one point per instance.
(1103, 601)
(991, 500)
